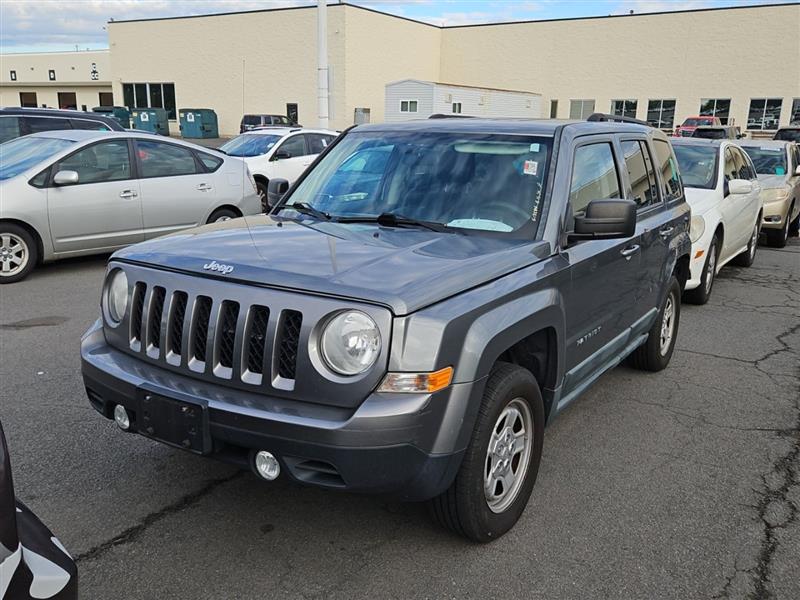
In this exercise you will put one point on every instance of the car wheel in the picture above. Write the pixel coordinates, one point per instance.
(262, 193)
(702, 293)
(794, 226)
(656, 352)
(18, 253)
(500, 465)
(746, 258)
(777, 238)
(222, 214)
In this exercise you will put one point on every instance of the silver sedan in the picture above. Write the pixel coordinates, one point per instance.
(69, 193)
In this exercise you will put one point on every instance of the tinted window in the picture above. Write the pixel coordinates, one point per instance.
(250, 145)
(37, 124)
(317, 142)
(640, 173)
(251, 120)
(742, 164)
(9, 128)
(19, 155)
(164, 160)
(730, 165)
(665, 164)
(211, 163)
(767, 161)
(106, 161)
(93, 125)
(698, 165)
(294, 146)
(594, 176)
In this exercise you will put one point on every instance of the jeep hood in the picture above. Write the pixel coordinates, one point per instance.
(405, 269)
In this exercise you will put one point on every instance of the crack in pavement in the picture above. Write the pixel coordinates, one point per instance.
(132, 533)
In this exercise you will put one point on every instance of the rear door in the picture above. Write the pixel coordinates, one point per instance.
(177, 191)
(103, 210)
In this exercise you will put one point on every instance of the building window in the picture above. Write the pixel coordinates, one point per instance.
(106, 99)
(27, 99)
(150, 95)
(765, 113)
(13, 75)
(794, 116)
(51, 75)
(408, 106)
(553, 109)
(456, 108)
(716, 107)
(67, 100)
(661, 113)
(624, 108)
(580, 109)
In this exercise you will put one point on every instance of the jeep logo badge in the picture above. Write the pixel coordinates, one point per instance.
(215, 266)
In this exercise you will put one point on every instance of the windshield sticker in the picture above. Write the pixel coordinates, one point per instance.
(780, 171)
(530, 167)
(534, 147)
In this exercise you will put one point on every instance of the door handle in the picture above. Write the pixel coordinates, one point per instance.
(128, 194)
(204, 187)
(629, 251)
(666, 232)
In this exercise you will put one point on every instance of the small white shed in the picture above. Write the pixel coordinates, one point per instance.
(410, 99)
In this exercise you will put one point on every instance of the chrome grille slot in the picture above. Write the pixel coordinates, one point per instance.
(255, 343)
(154, 321)
(137, 306)
(225, 338)
(288, 341)
(177, 314)
(199, 339)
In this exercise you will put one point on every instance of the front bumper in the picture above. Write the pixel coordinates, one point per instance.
(404, 445)
(776, 212)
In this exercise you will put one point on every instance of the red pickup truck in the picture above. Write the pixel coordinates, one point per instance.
(689, 124)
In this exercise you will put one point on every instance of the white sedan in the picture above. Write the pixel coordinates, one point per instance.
(278, 152)
(723, 191)
(69, 193)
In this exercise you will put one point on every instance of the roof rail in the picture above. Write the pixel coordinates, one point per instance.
(602, 117)
(444, 116)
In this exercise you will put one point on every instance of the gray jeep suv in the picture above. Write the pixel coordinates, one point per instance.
(414, 310)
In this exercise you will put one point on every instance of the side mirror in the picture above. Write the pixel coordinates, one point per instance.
(606, 219)
(66, 178)
(275, 190)
(739, 186)
(280, 155)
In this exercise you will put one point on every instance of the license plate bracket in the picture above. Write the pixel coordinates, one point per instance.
(175, 422)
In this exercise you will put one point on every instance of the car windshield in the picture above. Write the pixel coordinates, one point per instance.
(249, 145)
(698, 122)
(482, 182)
(698, 165)
(788, 135)
(19, 155)
(768, 161)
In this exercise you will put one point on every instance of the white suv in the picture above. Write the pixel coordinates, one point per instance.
(278, 152)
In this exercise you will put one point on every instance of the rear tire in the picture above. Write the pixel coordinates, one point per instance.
(656, 352)
(746, 258)
(18, 253)
(702, 293)
(222, 214)
(500, 465)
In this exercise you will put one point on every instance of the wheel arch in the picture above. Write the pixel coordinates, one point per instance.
(230, 207)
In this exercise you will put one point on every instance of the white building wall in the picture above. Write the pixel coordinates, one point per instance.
(399, 91)
(478, 102)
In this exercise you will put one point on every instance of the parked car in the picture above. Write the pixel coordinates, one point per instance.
(33, 563)
(254, 121)
(16, 122)
(69, 193)
(689, 124)
(723, 190)
(717, 132)
(408, 339)
(278, 152)
(788, 134)
(778, 166)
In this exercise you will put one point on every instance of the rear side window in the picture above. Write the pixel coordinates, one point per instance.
(317, 142)
(9, 128)
(37, 124)
(158, 159)
(92, 125)
(211, 163)
(252, 120)
(594, 176)
(667, 166)
(640, 173)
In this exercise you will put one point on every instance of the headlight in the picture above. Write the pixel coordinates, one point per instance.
(351, 343)
(117, 295)
(696, 228)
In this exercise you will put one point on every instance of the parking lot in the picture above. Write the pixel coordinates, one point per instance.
(681, 484)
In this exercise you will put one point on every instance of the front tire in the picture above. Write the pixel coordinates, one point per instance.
(656, 352)
(777, 238)
(262, 194)
(500, 465)
(746, 258)
(702, 293)
(18, 253)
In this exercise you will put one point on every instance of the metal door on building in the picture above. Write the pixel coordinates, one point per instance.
(291, 112)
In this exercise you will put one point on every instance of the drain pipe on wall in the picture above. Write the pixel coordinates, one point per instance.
(322, 62)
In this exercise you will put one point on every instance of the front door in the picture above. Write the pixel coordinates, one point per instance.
(291, 158)
(101, 211)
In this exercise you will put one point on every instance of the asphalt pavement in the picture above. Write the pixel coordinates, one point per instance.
(679, 484)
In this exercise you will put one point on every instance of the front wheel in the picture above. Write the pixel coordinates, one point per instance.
(656, 352)
(702, 293)
(500, 465)
(777, 238)
(262, 194)
(222, 214)
(746, 258)
(18, 253)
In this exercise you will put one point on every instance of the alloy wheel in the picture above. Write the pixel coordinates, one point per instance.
(508, 455)
(711, 267)
(667, 325)
(14, 254)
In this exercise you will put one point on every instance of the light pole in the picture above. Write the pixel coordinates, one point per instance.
(322, 63)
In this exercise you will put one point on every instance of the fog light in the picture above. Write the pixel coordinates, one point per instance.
(121, 417)
(267, 465)
(772, 219)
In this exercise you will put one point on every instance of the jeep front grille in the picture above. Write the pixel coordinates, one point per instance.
(137, 305)
(291, 322)
(154, 319)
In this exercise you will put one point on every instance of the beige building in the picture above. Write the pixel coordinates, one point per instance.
(738, 63)
(56, 79)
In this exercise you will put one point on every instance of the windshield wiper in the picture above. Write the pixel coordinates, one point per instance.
(394, 220)
(305, 209)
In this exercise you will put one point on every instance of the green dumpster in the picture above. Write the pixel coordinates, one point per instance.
(119, 113)
(198, 123)
(153, 120)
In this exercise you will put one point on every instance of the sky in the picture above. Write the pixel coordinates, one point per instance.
(60, 25)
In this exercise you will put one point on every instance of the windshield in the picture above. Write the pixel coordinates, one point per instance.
(768, 161)
(788, 135)
(698, 165)
(250, 145)
(19, 155)
(464, 181)
(698, 122)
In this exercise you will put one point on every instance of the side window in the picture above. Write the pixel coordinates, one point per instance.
(640, 173)
(211, 163)
(317, 142)
(86, 124)
(37, 124)
(9, 128)
(294, 146)
(158, 159)
(668, 167)
(730, 165)
(745, 170)
(106, 161)
(594, 176)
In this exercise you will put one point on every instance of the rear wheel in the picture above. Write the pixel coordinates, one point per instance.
(18, 253)
(222, 214)
(656, 352)
(702, 293)
(500, 465)
(746, 258)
